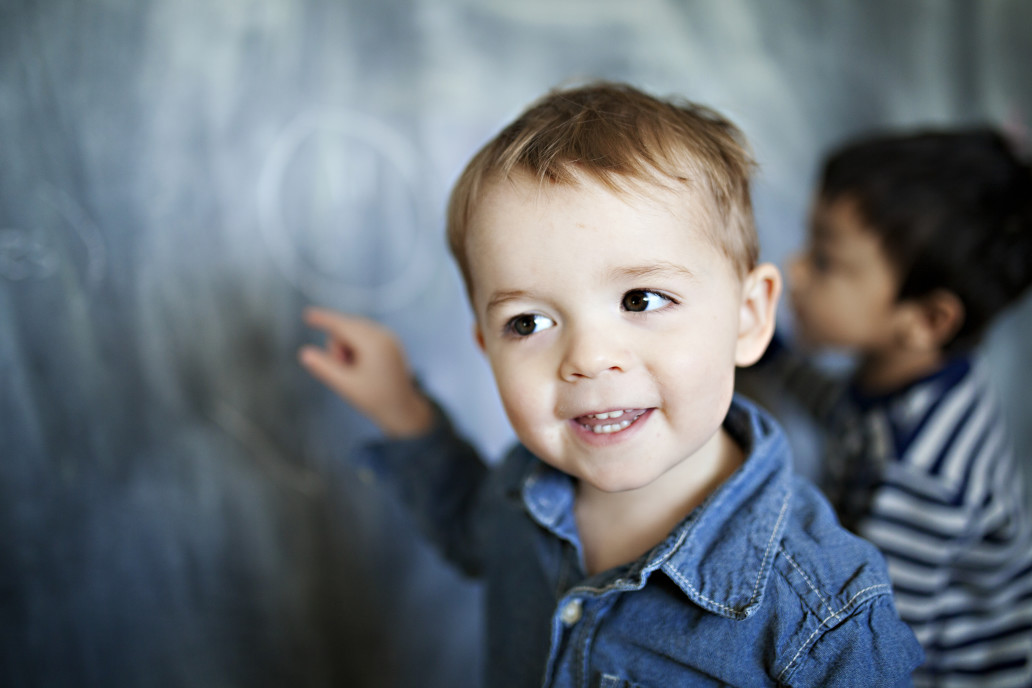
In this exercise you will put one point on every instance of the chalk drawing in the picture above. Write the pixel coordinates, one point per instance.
(25, 255)
(84, 228)
(376, 170)
(34, 254)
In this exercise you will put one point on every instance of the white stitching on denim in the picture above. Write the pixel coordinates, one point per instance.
(770, 542)
(682, 579)
(809, 583)
(847, 605)
(759, 574)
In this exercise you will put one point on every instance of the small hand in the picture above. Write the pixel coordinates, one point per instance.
(365, 364)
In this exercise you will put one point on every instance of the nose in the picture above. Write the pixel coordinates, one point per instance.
(590, 352)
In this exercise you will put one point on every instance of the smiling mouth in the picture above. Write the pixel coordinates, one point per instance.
(609, 422)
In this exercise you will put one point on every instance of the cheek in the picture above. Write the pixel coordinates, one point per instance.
(522, 392)
(529, 404)
(819, 317)
(836, 317)
(699, 408)
(797, 273)
(817, 307)
(697, 384)
(814, 306)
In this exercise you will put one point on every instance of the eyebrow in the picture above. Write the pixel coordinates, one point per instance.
(500, 298)
(659, 269)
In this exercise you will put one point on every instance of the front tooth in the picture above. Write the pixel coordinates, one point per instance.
(606, 415)
(611, 427)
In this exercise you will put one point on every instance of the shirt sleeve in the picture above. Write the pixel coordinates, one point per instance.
(960, 562)
(440, 478)
(870, 647)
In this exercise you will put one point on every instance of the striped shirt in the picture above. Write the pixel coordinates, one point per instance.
(928, 475)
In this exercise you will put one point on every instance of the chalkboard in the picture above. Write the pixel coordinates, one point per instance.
(179, 178)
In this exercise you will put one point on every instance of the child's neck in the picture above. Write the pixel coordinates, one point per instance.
(887, 372)
(618, 527)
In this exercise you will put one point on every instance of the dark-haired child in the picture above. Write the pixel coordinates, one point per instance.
(648, 529)
(917, 241)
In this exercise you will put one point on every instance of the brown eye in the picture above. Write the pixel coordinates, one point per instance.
(528, 324)
(640, 300)
(635, 301)
(819, 260)
(523, 325)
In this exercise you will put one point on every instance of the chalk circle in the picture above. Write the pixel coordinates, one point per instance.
(24, 255)
(41, 252)
(357, 244)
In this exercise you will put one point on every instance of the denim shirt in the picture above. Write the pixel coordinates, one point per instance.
(758, 586)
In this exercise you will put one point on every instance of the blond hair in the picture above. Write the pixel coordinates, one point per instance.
(618, 136)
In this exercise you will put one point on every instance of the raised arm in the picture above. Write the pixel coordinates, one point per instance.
(365, 364)
(436, 473)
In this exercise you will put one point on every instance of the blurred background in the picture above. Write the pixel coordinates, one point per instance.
(179, 178)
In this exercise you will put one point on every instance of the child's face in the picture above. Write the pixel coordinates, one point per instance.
(843, 288)
(611, 324)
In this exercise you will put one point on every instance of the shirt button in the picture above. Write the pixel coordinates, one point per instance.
(571, 612)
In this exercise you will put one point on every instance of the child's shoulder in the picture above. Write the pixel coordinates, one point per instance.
(947, 433)
(813, 558)
(839, 584)
(830, 569)
(816, 590)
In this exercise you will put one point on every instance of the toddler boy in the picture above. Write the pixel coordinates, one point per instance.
(647, 530)
(918, 240)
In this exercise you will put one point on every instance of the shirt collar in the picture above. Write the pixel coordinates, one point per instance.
(721, 554)
(940, 380)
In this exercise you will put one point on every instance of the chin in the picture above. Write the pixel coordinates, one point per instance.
(616, 482)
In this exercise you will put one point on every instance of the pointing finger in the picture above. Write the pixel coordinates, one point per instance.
(328, 321)
(325, 367)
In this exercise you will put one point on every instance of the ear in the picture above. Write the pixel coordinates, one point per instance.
(761, 290)
(931, 321)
